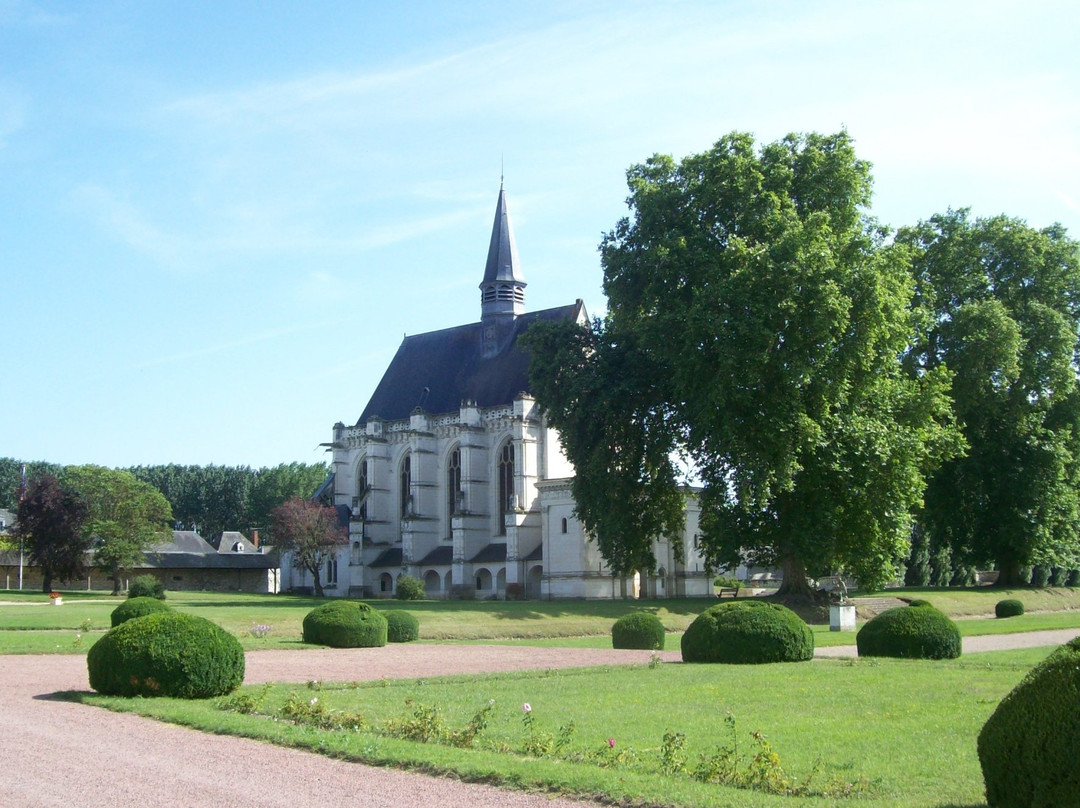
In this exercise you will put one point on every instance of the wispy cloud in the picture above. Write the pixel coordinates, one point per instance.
(233, 344)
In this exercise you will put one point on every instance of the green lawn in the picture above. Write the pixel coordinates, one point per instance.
(903, 731)
(32, 626)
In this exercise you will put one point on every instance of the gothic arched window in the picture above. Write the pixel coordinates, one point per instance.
(506, 484)
(405, 486)
(453, 483)
(360, 500)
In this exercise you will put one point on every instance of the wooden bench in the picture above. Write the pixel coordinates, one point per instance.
(728, 592)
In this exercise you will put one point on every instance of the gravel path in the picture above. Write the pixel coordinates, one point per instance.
(59, 753)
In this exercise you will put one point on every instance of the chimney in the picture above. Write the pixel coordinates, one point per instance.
(255, 537)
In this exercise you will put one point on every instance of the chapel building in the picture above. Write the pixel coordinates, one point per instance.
(452, 474)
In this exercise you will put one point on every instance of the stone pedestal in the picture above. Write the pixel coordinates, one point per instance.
(841, 617)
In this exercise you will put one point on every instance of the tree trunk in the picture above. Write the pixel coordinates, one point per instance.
(795, 583)
(1008, 574)
(46, 581)
(116, 583)
(317, 581)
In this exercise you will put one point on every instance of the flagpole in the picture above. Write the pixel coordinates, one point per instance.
(22, 496)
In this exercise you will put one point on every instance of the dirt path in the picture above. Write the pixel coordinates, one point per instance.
(59, 753)
(986, 642)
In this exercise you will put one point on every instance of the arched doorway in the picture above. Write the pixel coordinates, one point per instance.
(386, 584)
(532, 582)
(483, 583)
(432, 584)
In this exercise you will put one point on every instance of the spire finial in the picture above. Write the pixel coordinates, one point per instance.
(502, 169)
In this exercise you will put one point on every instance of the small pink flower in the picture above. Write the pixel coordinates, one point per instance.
(313, 702)
(526, 707)
(611, 743)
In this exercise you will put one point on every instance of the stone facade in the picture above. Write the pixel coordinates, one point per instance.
(452, 474)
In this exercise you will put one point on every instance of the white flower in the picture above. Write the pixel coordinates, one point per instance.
(526, 707)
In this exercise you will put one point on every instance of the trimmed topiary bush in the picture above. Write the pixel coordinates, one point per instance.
(146, 586)
(1040, 576)
(748, 631)
(1008, 608)
(638, 630)
(1029, 747)
(345, 624)
(401, 626)
(919, 602)
(912, 632)
(409, 588)
(166, 654)
(137, 607)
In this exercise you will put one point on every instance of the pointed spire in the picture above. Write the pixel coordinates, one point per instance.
(503, 289)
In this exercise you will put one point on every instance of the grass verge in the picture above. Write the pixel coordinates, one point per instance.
(904, 731)
(29, 625)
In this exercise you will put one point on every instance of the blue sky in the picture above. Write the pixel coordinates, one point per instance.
(218, 219)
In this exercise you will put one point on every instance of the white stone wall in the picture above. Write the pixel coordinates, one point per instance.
(571, 565)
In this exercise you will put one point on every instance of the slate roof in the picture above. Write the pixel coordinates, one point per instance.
(502, 260)
(492, 553)
(231, 538)
(439, 557)
(388, 558)
(440, 369)
(212, 560)
(184, 541)
(189, 550)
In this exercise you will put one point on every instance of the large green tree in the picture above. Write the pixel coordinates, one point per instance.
(50, 526)
(607, 399)
(771, 313)
(124, 516)
(1000, 307)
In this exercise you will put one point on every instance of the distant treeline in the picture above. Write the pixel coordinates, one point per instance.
(209, 499)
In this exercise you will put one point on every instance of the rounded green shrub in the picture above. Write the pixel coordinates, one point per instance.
(919, 602)
(166, 654)
(638, 630)
(345, 624)
(748, 631)
(1029, 747)
(409, 588)
(137, 607)
(401, 626)
(1008, 608)
(913, 632)
(146, 586)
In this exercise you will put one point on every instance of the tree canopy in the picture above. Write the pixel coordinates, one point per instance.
(124, 516)
(999, 305)
(311, 533)
(50, 524)
(764, 314)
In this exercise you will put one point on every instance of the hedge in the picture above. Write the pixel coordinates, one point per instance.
(638, 630)
(166, 654)
(137, 607)
(401, 626)
(1030, 745)
(748, 632)
(146, 586)
(913, 632)
(1008, 608)
(345, 624)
